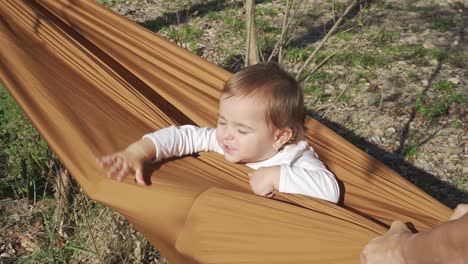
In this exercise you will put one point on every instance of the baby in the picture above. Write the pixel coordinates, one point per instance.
(260, 124)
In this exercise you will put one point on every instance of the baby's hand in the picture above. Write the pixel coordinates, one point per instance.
(265, 180)
(129, 161)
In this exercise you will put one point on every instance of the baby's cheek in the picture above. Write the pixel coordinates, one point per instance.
(218, 137)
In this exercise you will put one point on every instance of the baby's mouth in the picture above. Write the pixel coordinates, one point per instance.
(228, 149)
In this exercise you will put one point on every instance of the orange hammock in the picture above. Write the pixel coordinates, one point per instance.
(92, 82)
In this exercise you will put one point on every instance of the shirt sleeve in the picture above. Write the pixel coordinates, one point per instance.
(319, 182)
(184, 140)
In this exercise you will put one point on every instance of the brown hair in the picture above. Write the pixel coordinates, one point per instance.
(282, 93)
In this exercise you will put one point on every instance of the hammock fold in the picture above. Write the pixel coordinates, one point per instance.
(92, 82)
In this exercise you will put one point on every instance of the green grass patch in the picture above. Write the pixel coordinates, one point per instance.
(440, 21)
(366, 75)
(382, 36)
(234, 24)
(457, 123)
(24, 155)
(416, 54)
(363, 59)
(410, 152)
(298, 54)
(265, 10)
(266, 26)
(53, 249)
(343, 98)
(316, 91)
(447, 96)
(110, 3)
(411, 6)
(214, 15)
(346, 36)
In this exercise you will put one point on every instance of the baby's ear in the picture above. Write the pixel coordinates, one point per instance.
(282, 136)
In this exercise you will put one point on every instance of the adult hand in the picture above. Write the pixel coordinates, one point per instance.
(460, 211)
(265, 180)
(387, 249)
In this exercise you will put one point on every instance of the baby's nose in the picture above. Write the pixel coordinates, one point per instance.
(228, 135)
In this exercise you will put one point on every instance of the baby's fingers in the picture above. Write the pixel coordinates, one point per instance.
(139, 175)
(123, 171)
(114, 170)
(105, 161)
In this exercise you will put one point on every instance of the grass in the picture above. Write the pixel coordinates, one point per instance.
(447, 96)
(233, 24)
(110, 3)
(53, 249)
(25, 156)
(265, 10)
(382, 36)
(419, 55)
(316, 91)
(362, 59)
(410, 152)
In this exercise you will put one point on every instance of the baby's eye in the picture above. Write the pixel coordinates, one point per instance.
(221, 123)
(242, 132)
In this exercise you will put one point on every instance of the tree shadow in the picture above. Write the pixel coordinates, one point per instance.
(318, 31)
(183, 15)
(440, 190)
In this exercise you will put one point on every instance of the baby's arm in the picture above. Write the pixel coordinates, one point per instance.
(164, 143)
(184, 140)
(318, 182)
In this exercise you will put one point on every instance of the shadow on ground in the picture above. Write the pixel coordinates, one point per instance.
(442, 191)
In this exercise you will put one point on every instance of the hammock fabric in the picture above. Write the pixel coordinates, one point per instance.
(92, 82)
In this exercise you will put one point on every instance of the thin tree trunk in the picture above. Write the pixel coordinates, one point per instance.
(251, 54)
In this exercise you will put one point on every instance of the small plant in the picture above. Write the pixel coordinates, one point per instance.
(265, 26)
(54, 249)
(410, 151)
(316, 91)
(265, 10)
(233, 24)
(443, 24)
(382, 36)
(298, 54)
(447, 96)
(356, 59)
(346, 36)
(213, 15)
(343, 98)
(457, 123)
(411, 6)
(367, 75)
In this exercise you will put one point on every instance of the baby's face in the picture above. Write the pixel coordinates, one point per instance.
(242, 130)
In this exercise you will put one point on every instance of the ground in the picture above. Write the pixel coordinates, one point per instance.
(395, 86)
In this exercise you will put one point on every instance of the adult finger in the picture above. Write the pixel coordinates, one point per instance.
(398, 227)
(460, 211)
(363, 258)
